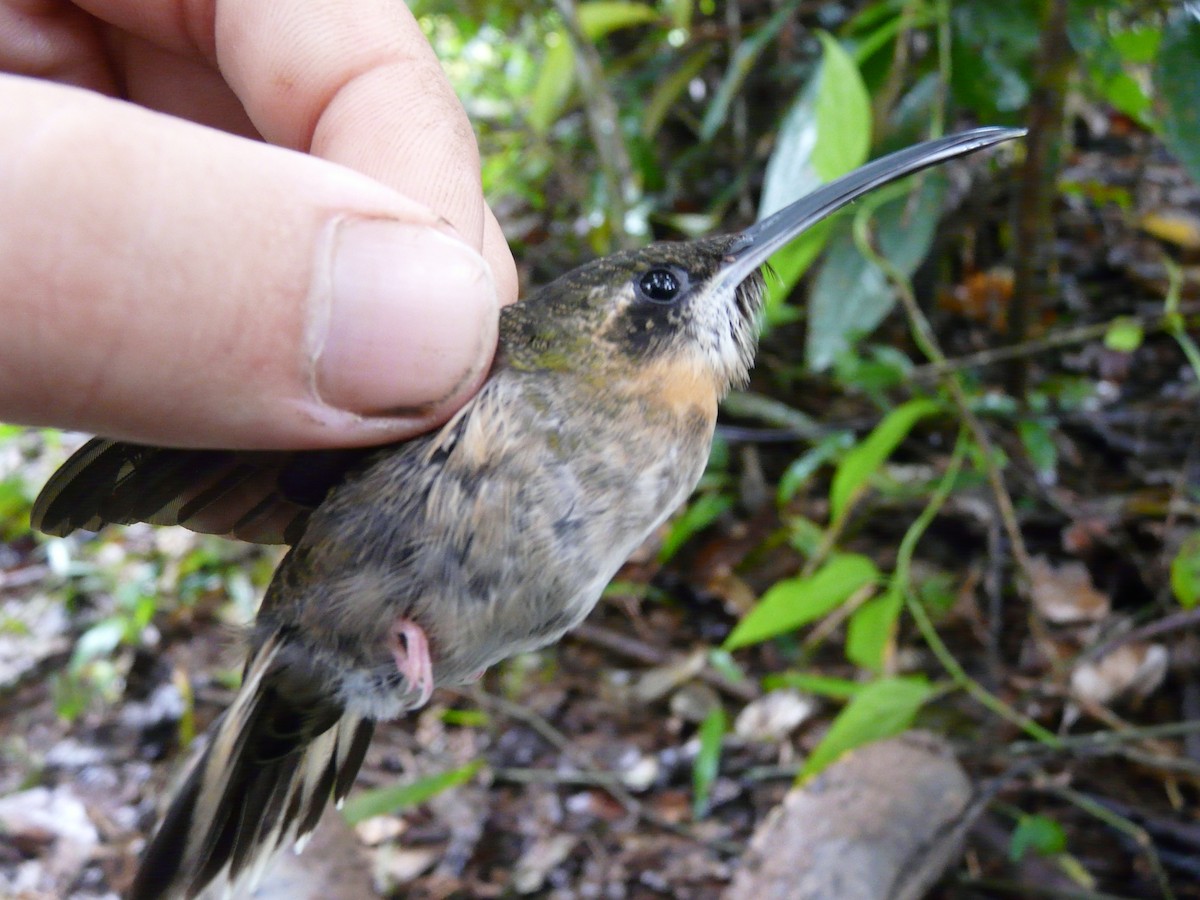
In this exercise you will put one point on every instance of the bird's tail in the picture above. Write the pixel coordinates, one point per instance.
(275, 758)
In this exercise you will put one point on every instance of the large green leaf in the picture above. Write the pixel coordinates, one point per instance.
(797, 601)
(1177, 80)
(851, 295)
(863, 461)
(826, 133)
(880, 710)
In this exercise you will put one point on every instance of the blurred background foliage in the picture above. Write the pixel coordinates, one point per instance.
(606, 125)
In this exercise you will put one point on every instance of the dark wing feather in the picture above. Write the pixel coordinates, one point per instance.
(259, 496)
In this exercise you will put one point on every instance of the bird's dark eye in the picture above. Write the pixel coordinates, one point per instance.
(660, 286)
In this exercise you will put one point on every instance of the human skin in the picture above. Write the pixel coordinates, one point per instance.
(238, 223)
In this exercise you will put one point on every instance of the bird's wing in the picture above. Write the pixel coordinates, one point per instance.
(260, 496)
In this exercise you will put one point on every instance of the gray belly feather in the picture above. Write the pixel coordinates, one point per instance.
(496, 536)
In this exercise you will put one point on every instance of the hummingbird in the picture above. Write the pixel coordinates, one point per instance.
(421, 563)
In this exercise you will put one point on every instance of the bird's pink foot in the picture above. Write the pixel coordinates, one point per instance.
(410, 649)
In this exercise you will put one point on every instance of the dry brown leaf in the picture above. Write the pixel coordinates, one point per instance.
(1064, 594)
(1135, 669)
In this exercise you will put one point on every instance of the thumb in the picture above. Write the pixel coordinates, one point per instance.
(167, 283)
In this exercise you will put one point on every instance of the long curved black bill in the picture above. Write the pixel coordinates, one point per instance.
(760, 240)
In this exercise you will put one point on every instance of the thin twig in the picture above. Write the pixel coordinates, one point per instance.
(604, 124)
(928, 344)
(650, 655)
(956, 672)
(609, 783)
(1066, 337)
(1188, 618)
(1034, 232)
(1119, 823)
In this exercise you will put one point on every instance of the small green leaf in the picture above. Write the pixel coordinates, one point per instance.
(385, 800)
(872, 629)
(663, 98)
(466, 718)
(1124, 335)
(1040, 834)
(554, 83)
(801, 469)
(703, 511)
(98, 641)
(1038, 440)
(864, 460)
(821, 685)
(880, 710)
(740, 64)
(708, 759)
(680, 12)
(805, 536)
(797, 601)
(1185, 572)
(600, 18)
(1138, 45)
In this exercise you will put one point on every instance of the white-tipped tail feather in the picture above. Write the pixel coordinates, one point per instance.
(278, 754)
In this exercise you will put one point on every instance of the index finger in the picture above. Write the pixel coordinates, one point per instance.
(351, 81)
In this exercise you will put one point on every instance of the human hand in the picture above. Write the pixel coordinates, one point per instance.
(282, 244)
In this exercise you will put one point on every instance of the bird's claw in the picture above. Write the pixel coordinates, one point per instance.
(410, 650)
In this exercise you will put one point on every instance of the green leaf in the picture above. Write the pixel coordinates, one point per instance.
(1126, 95)
(663, 98)
(708, 759)
(850, 295)
(680, 12)
(796, 601)
(1185, 572)
(880, 710)
(821, 685)
(740, 64)
(825, 134)
(554, 84)
(1038, 439)
(1178, 89)
(466, 718)
(872, 629)
(600, 18)
(843, 109)
(1124, 335)
(1138, 45)
(804, 467)
(98, 641)
(992, 54)
(385, 800)
(703, 511)
(863, 461)
(1040, 834)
